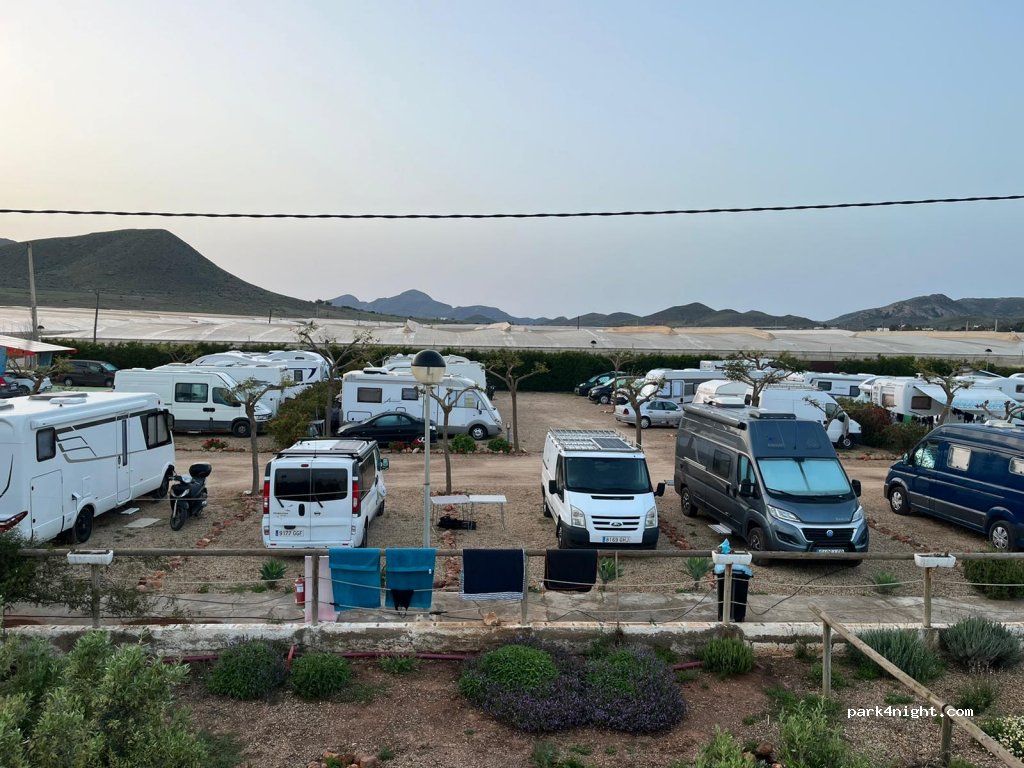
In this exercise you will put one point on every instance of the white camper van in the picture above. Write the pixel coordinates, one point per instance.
(67, 457)
(323, 493)
(836, 384)
(365, 394)
(198, 400)
(596, 486)
(304, 368)
(275, 374)
(455, 365)
(721, 392)
(678, 384)
(908, 397)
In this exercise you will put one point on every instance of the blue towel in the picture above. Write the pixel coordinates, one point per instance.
(410, 570)
(744, 569)
(492, 574)
(355, 577)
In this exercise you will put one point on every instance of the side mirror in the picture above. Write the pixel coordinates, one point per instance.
(660, 490)
(841, 417)
(856, 487)
(384, 464)
(906, 459)
(746, 488)
(552, 487)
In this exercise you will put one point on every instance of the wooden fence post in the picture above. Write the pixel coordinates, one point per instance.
(95, 595)
(945, 750)
(826, 659)
(727, 595)
(927, 598)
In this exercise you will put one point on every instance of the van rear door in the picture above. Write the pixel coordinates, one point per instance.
(310, 504)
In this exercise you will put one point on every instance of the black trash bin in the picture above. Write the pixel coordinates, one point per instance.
(740, 586)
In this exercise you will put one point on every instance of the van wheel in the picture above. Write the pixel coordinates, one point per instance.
(1001, 536)
(758, 542)
(644, 422)
(366, 536)
(686, 502)
(161, 490)
(380, 510)
(544, 503)
(240, 429)
(83, 525)
(563, 537)
(478, 432)
(898, 501)
(845, 442)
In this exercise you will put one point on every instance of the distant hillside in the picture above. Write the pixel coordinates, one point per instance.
(692, 315)
(415, 303)
(935, 311)
(137, 269)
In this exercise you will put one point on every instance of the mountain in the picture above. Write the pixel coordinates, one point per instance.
(935, 311)
(415, 303)
(137, 269)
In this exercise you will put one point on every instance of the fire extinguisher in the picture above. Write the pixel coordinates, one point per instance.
(300, 591)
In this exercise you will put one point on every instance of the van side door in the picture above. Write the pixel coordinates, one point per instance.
(559, 506)
(925, 460)
(963, 491)
(191, 409)
(720, 487)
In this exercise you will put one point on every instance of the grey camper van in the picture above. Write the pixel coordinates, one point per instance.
(770, 477)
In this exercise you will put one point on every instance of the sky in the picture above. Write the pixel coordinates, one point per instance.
(475, 107)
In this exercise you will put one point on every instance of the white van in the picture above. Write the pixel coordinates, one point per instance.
(597, 488)
(813, 405)
(368, 392)
(678, 384)
(198, 400)
(265, 373)
(323, 493)
(304, 368)
(455, 365)
(67, 457)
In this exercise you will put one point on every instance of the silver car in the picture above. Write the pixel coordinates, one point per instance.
(657, 413)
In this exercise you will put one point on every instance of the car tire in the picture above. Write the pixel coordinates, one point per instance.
(478, 432)
(68, 381)
(605, 399)
(544, 502)
(563, 537)
(240, 428)
(644, 422)
(83, 525)
(686, 502)
(108, 382)
(845, 442)
(380, 510)
(1001, 535)
(898, 501)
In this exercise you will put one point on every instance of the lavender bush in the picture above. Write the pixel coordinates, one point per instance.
(631, 689)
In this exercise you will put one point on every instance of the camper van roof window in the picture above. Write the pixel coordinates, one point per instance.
(754, 414)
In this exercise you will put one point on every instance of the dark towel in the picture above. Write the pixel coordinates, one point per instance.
(570, 570)
(410, 578)
(492, 574)
(355, 578)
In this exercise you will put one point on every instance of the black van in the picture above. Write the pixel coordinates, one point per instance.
(772, 478)
(968, 474)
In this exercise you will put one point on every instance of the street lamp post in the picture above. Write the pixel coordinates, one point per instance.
(428, 367)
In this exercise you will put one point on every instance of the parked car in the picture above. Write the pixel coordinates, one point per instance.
(603, 394)
(389, 427)
(88, 373)
(584, 387)
(653, 413)
(23, 383)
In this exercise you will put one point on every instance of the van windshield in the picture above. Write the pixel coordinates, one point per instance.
(311, 485)
(596, 475)
(804, 477)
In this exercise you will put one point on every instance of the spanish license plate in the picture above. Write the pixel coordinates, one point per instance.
(615, 540)
(831, 551)
(287, 532)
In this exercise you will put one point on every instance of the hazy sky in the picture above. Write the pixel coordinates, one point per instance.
(476, 106)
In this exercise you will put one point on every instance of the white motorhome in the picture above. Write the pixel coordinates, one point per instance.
(455, 365)
(275, 374)
(323, 493)
(836, 384)
(198, 400)
(909, 397)
(304, 368)
(722, 392)
(67, 457)
(365, 394)
(596, 486)
(678, 384)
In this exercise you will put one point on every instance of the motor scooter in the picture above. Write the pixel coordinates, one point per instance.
(188, 494)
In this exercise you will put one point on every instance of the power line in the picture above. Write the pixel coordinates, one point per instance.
(570, 215)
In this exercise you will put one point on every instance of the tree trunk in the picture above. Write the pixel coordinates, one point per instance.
(639, 429)
(254, 448)
(447, 458)
(512, 391)
(330, 403)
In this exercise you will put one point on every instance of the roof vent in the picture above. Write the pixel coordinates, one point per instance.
(68, 400)
(57, 395)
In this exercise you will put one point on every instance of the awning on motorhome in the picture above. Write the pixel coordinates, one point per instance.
(19, 347)
(974, 399)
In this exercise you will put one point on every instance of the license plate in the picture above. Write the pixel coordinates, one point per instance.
(831, 551)
(615, 540)
(286, 532)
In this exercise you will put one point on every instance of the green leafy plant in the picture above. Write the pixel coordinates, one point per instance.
(895, 698)
(886, 583)
(809, 738)
(997, 579)
(399, 665)
(317, 676)
(816, 672)
(978, 643)
(499, 445)
(904, 648)
(1008, 731)
(385, 753)
(462, 444)
(608, 571)
(519, 667)
(698, 568)
(249, 670)
(978, 695)
(801, 652)
(272, 571)
(727, 656)
(900, 438)
(723, 751)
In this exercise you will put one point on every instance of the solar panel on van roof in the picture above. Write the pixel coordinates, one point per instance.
(613, 444)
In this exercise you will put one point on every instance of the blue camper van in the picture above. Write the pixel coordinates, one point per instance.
(969, 474)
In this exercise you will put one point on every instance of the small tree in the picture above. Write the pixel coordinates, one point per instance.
(637, 392)
(338, 357)
(506, 366)
(447, 403)
(753, 368)
(53, 371)
(249, 392)
(947, 377)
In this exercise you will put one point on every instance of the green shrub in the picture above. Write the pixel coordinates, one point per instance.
(295, 414)
(319, 675)
(462, 444)
(904, 648)
(519, 667)
(608, 570)
(1008, 731)
(272, 571)
(997, 579)
(886, 583)
(873, 420)
(723, 751)
(979, 644)
(17, 573)
(817, 671)
(902, 437)
(698, 568)
(248, 670)
(809, 738)
(13, 712)
(29, 667)
(399, 665)
(727, 656)
(977, 696)
(499, 445)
